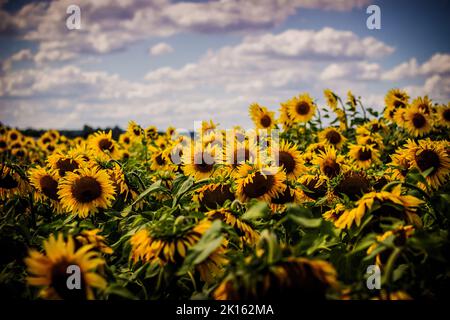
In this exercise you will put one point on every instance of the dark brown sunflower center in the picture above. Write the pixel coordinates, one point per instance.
(137, 132)
(364, 154)
(8, 182)
(50, 148)
(60, 277)
(202, 165)
(66, 165)
(333, 137)
(2, 144)
(260, 186)
(419, 120)
(106, 144)
(20, 153)
(428, 159)
(86, 189)
(287, 161)
(126, 140)
(266, 121)
(13, 136)
(284, 197)
(375, 127)
(331, 168)
(216, 197)
(315, 191)
(46, 140)
(49, 187)
(160, 160)
(302, 108)
(446, 114)
(16, 145)
(399, 104)
(353, 186)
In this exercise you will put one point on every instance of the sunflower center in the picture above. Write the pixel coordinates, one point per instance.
(66, 165)
(331, 168)
(126, 140)
(216, 197)
(260, 186)
(315, 192)
(302, 108)
(49, 187)
(287, 161)
(59, 278)
(50, 148)
(2, 144)
(446, 114)
(333, 137)
(399, 104)
(364, 155)
(283, 198)
(86, 189)
(353, 186)
(160, 160)
(428, 159)
(20, 154)
(419, 120)
(46, 140)
(137, 132)
(13, 136)
(8, 182)
(266, 121)
(106, 144)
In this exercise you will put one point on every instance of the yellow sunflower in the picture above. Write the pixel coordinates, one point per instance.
(169, 245)
(50, 270)
(285, 118)
(85, 191)
(13, 136)
(330, 164)
(11, 183)
(366, 203)
(237, 153)
(395, 99)
(103, 146)
(262, 118)
(332, 136)
(334, 214)
(315, 185)
(254, 182)
(3, 144)
(427, 154)
(417, 122)
(61, 163)
(135, 131)
(301, 108)
(363, 156)
(200, 162)
(444, 115)
(247, 233)
(213, 195)
(289, 158)
(44, 182)
(92, 237)
(424, 104)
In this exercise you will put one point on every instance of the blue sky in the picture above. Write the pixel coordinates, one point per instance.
(167, 63)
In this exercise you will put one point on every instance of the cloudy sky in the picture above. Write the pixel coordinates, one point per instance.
(164, 62)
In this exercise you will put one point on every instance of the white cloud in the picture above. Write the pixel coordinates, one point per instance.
(22, 55)
(160, 49)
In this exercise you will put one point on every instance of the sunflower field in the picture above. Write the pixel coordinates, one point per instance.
(314, 202)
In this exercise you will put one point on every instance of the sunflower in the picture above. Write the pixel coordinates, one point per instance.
(159, 159)
(11, 183)
(125, 140)
(444, 115)
(49, 270)
(262, 183)
(351, 101)
(246, 233)
(417, 122)
(61, 163)
(423, 104)
(353, 185)
(363, 156)
(407, 203)
(13, 135)
(151, 133)
(213, 195)
(208, 127)
(85, 191)
(103, 146)
(165, 242)
(262, 118)
(334, 214)
(332, 136)
(135, 131)
(117, 177)
(199, 162)
(289, 195)
(3, 144)
(285, 118)
(289, 158)
(315, 186)
(400, 235)
(395, 99)
(330, 164)
(91, 237)
(44, 182)
(374, 139)
(290, 278)
(301, 108)
(426, 155)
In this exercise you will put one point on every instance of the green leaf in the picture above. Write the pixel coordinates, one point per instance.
(154, 187)
(258, 211)
(306, 222)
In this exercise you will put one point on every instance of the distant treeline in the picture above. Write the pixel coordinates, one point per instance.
(87, 130)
